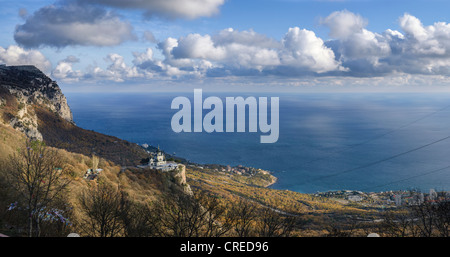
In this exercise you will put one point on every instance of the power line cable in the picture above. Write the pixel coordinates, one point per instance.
(408, 178)
(375, 162)
(376, 137)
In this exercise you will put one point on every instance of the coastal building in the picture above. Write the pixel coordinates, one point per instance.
(398, 199)
(92, 174)
(421, 198)
(433, 195)
(158, 162)
(355, 198)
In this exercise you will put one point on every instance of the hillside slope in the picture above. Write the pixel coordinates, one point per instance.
(33, 104)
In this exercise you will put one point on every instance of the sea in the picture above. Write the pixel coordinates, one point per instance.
(368, 142)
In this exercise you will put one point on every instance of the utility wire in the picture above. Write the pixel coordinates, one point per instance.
(408, 178)
(376, 162)
(376, 137)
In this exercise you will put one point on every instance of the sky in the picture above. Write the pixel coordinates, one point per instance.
(273, 45)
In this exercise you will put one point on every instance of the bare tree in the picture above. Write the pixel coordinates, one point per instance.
(272, 223)
(342, 228)
(178, 215)
(425, 215)
(137, 220)
(442, 220)
(104, 207)
(400, 223)
(181, 215)
(244, 213)
(37, 174)
(218, 221)
(427, 219)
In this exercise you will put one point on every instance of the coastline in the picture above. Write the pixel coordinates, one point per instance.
(309, 144)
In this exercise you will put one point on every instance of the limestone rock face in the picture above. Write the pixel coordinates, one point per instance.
(180, 173)
(21, 89)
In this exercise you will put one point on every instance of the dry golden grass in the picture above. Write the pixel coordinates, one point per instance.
(316, 211)
(140, 185)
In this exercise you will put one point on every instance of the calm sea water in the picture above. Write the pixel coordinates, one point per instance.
(370, 142)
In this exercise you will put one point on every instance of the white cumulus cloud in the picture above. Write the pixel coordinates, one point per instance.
(16, 55)
(344, 23)
(64, 70)
(303, 49)
(352, 51)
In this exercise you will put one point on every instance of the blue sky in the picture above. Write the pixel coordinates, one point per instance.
(282, 44)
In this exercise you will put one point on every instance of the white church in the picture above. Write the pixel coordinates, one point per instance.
(158, 162)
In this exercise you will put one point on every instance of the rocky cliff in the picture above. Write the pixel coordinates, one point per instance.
(22, 88)
(180, 175)
(33, 104)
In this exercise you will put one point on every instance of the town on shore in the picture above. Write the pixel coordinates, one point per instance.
(383, 199)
